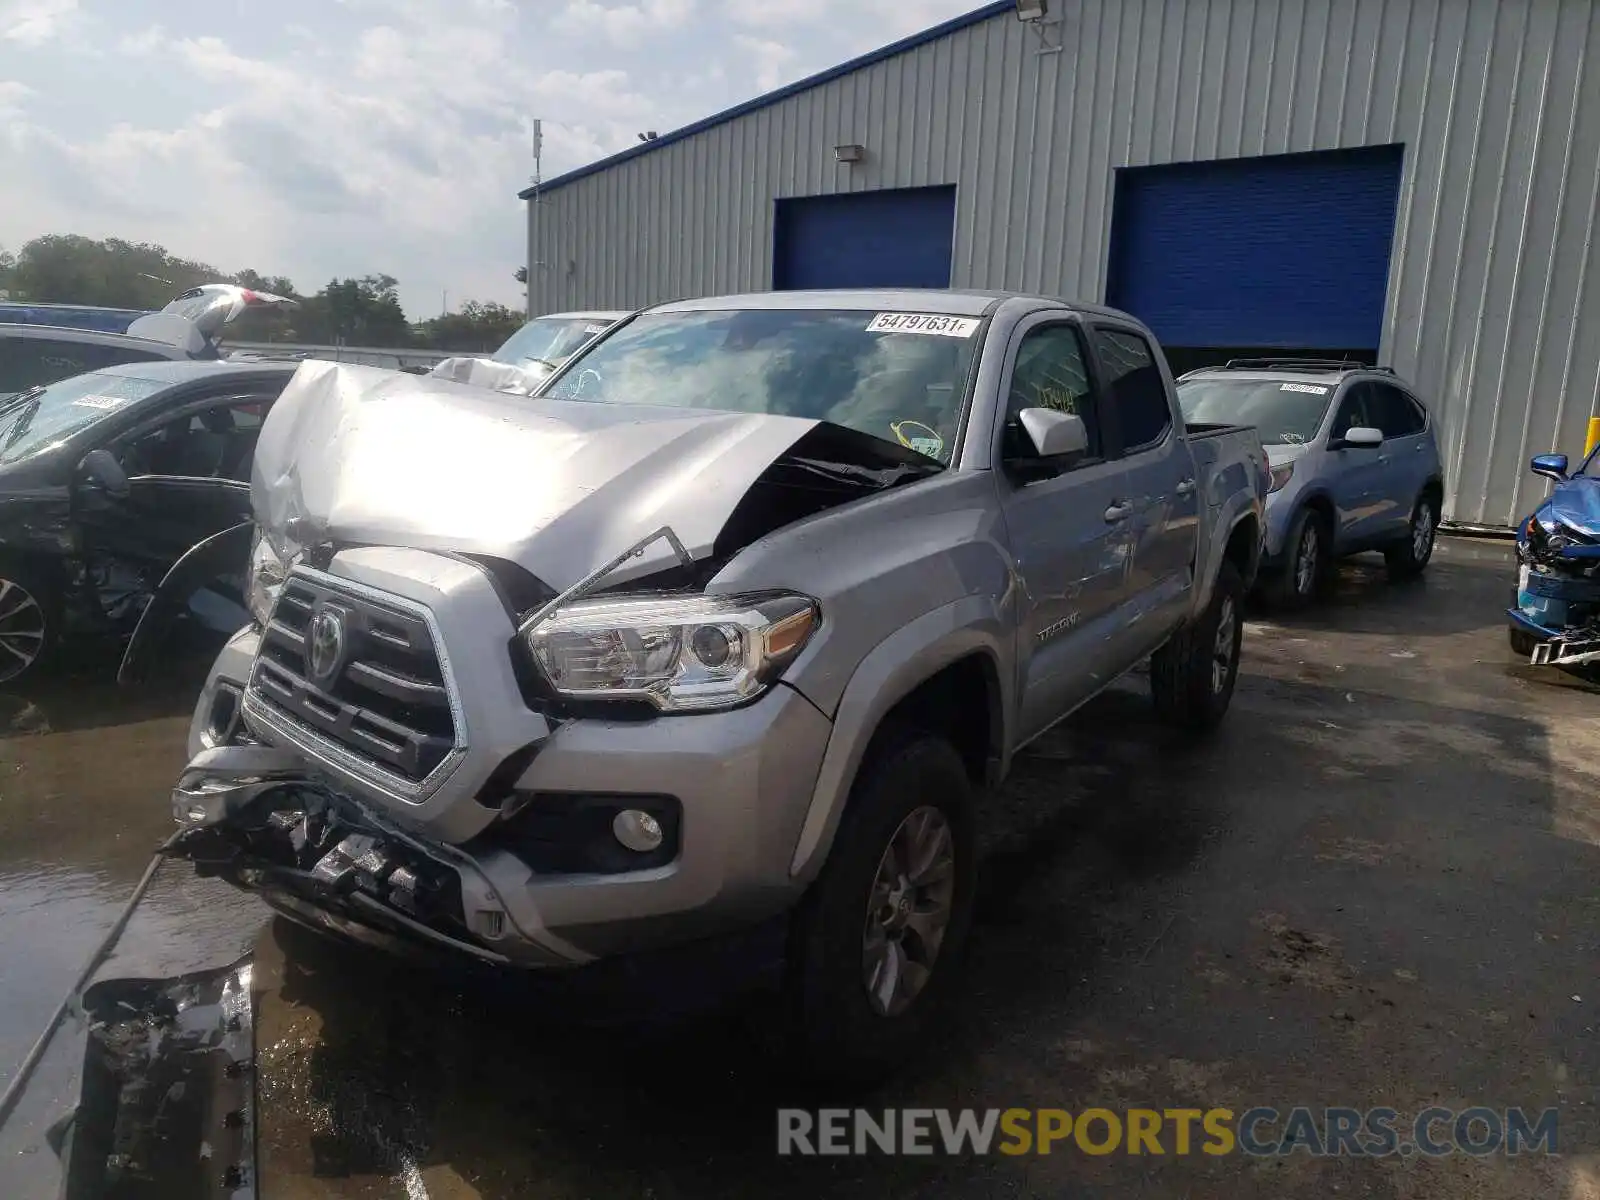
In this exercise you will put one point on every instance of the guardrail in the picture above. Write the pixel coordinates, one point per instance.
(373, 356)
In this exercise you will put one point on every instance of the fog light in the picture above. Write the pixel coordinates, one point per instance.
(636, 830)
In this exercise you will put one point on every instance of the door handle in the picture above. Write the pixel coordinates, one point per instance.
(1186, 487)
(1118, 511)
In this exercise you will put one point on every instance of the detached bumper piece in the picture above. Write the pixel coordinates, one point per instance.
(254, 816)
(168, 1105)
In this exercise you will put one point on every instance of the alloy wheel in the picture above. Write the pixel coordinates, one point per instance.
(1422, 530)
(1306, 560)
(908, 910)
(1223, 647)
(22, 629)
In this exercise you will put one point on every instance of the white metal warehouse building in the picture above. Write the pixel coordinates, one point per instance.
(1410, 181)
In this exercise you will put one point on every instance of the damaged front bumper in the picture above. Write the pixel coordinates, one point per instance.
(258, 818)
(1556, 603)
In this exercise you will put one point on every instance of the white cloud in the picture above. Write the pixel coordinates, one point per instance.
(35, 22)
(372, 135)
(625, 24)
(774, 14)
(772, 60)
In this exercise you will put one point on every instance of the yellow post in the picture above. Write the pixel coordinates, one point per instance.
(1594, 436)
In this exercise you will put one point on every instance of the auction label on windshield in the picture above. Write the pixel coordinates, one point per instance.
(1309, 388)
(925, 323)
(101, 402)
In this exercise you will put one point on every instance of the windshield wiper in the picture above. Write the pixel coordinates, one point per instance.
(29, 397)
(18, 398)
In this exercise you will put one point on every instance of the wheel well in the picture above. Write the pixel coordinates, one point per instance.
(1241, 547)
(944, 703)
(1434, 490)
(1323, 507)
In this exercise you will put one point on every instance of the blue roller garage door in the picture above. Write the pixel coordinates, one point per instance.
(892, 238)
(1284, 252)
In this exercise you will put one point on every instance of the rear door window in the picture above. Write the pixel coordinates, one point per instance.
(1134, 386)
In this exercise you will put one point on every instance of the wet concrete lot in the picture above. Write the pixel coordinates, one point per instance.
(1378, 885)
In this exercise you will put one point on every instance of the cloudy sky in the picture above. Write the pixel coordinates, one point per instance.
(322, 138)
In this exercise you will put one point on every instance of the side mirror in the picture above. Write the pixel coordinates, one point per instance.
(1361, 437)
(101, 471)
(1551, 466)
(1053, 434)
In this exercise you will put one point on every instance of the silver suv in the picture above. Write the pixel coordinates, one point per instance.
(1355, 464)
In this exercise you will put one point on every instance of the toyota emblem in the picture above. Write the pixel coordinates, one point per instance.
(325, 641)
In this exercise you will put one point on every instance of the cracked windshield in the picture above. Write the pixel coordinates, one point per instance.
(625, 599)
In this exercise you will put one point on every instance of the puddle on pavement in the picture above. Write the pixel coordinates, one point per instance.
(85, 769)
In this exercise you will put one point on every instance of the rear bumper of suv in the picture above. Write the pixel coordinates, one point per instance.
(507, 850)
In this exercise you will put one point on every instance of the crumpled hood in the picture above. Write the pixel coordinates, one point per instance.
(364, 455)
(1576, 504)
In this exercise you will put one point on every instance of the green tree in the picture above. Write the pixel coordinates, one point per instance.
(70, 269)
(357, 312)
(477, 328)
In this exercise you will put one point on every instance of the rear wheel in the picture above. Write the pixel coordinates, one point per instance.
(28, 618)
(1409, 558)
(1192, 677)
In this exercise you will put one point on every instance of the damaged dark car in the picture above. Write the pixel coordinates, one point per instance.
(108, 479)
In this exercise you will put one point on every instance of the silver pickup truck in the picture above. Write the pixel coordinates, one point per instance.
(734, 621)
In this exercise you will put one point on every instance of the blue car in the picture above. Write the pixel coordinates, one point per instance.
(1355, 464)
(1555, 608)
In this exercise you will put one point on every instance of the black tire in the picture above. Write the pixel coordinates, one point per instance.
(1188, 690)
(835, 1033)
(1409, 559)
(30, 619)
(1522, 642)
(1296, 584)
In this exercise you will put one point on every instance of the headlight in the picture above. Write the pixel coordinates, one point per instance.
(681, 654)
(1280, 476)
(266, 578)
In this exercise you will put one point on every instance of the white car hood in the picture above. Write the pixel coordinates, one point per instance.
(364, 455)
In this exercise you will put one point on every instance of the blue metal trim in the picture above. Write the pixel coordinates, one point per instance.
(954, 25)
(1533, 627)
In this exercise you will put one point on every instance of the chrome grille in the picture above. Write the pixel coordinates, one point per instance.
(384, 700)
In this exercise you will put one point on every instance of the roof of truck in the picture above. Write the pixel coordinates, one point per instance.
(955, 302)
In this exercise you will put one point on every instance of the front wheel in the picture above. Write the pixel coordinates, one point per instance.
(1410, 558)
(1306, 565)
(874, 946)
(1192, 676)
(1522, 642)
(28, 619)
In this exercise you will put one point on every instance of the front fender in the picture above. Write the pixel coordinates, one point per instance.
(905, 659)
(202, 563)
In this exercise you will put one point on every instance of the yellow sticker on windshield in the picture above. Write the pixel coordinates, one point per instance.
(926, 442)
